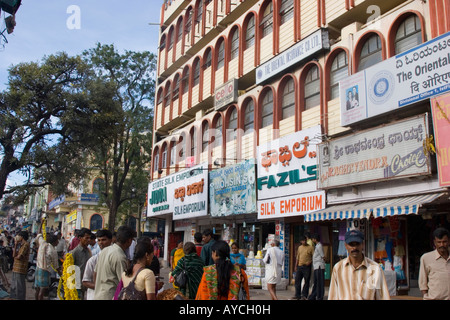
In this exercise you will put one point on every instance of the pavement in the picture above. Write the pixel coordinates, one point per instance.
(256, 293)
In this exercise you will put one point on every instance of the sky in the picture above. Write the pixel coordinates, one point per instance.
(46, 27)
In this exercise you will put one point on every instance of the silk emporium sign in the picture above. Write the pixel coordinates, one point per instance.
(232, 190)
(417, 74)
(385, 153)
(185, 194)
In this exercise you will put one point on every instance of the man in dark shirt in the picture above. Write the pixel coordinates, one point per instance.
(208, 241)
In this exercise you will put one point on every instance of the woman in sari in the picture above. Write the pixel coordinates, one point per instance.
(193, 265)
(178, 254)
(222, 280)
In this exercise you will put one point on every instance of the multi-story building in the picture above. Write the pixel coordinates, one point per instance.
(255, 79)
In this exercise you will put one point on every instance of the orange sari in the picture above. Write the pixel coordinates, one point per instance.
(208, 288)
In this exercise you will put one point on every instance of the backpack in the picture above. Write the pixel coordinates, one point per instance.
(130, 292)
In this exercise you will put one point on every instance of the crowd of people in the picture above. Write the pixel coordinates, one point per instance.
(119, 266)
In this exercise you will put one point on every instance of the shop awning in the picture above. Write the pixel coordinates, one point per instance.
(379, 208)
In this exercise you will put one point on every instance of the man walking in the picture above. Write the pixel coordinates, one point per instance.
(303, 261)
(357, 277)
(208, 241)
(112, 261)
(21, 253)
(319, 270)
(434, 273)
(46, 263)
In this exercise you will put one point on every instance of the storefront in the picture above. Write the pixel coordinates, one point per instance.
(287, 188)
(379, 180)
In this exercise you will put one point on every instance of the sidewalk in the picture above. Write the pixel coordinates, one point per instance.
(255, 292)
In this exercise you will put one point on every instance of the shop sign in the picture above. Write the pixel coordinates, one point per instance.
(232, 190)
(288, 165)
(440, 107)
(184, 194)
(226, 94)
(420, 73)
(385, 153)
(56, 202)
(89, 197)
(310, 45)
(291, 206)
(72, 216)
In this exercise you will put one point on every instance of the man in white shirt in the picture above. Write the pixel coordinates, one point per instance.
(319, 270)
(274, 260)
(104, 239)
(46, 262)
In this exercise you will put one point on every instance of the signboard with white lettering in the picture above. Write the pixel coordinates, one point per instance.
(295, 205)
(417, 74)
(288, 165)
(385, 153)
(185, 194)
(303, 49)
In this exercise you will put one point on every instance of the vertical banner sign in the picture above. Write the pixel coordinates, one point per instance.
(441, 122)
(232, 190)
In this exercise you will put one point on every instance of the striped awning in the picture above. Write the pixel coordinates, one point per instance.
(379, 208)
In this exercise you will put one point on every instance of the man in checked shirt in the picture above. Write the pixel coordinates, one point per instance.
(357, 277)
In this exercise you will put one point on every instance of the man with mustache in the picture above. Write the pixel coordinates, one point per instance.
(434, 273)
(357, 277)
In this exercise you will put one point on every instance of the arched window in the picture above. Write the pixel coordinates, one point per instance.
(339, 71)
(221, 55)
(235, 44)
(218, 132)
(188, 25)
(249, 117)
(185, 81)
(179, 29)
(312, 88)
(198, 19)
(176, 88)
(193, 142)
(205, 137)
(164, 157)
(286, 10)
(166, 102)
(409, 34)
(196, 72)
(371, 53)
(156, 161)
(96, 222)
(98, 185)
(181, 148)
(232, 125)
(267, 21)
(160, 96)
(171, 37)
(250, 33)
(162, 44)
(208, 59)
(288, 100)
(267, 109)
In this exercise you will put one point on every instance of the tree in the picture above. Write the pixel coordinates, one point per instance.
(125, 152)
(41, 120)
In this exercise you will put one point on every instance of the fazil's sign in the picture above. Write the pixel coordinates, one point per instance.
(226, 94)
